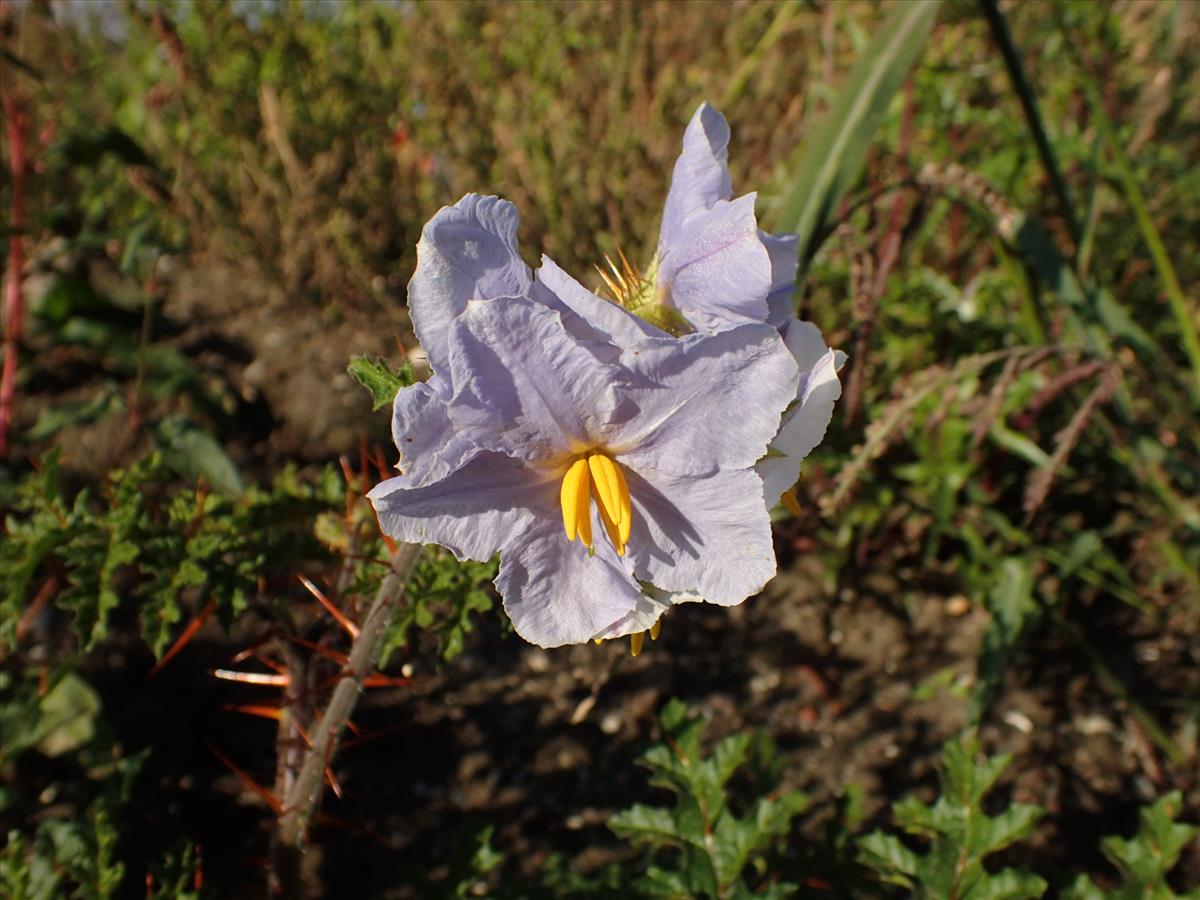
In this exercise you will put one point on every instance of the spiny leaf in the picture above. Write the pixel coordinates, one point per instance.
(649, 823)
(712, 846)
(960, 836)
(1145, 859)
(379, 379)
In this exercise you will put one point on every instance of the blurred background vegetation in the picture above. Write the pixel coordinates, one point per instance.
(217, 205)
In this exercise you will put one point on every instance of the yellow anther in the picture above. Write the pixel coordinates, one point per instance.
(791, 504)
(576, 504)
(614, 533)
(597, 641)
(612, 496)
(635, 642)
(596, 475)
(604, 484)
(626, 521)
(655, 629)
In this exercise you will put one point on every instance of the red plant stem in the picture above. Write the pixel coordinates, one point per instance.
(15, 121)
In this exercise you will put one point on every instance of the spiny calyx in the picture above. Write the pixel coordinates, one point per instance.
(642, 294)
(595, 476)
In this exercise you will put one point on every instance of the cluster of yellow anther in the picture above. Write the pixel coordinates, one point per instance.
(596, 475)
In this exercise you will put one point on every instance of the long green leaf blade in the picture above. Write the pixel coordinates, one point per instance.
(835, 155)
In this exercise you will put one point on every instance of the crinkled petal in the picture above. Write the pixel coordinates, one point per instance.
(467, 251)
(805, 423)
(701, 175)
(556, 593)
(476, 511)
(783, 250)
(430, 446)
(709, 535)
(525, 386)
(609, 322)
(651, 605)
(705, 402)
(715, 267)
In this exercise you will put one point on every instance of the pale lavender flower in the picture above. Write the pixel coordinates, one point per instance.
(592, 451)
(715, 269)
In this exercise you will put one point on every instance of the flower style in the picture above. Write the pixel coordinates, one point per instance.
(592, 451)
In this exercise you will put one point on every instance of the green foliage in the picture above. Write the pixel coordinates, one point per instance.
(70, 849)
(142, 540)
(474, 858)
(442, 594)
(1144, 860)
(195, 454)
(558, 879)
(108, 328)
(468, 870)
(710, 844)
(380, 380)
(959, 835)
(64, 858)
(175, 878)
(60, 721)
(1011, 604)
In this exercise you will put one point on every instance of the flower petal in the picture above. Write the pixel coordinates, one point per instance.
(608, 321)
(783, 250)
(525, 386)
(709, 535)
(650, 608)
(430, 447)
(476, 511)
(716, 268)
(556, 593)
(467, 251)
(705, 402)
(805, 423)
(701, 175)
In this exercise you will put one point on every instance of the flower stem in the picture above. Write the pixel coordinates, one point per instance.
(301, 801)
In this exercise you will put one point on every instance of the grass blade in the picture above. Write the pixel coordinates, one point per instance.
(1145, 222)
(1016, 73)
(835, 155)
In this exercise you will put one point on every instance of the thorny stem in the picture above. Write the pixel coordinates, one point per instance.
(301, 801)
(15, 121)
(284, 875)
